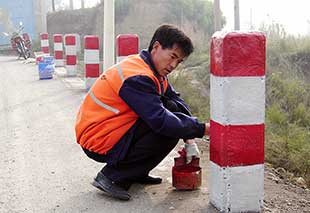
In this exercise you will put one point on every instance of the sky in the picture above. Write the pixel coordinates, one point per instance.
(293, 15)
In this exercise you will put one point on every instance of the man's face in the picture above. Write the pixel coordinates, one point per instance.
(166, 60)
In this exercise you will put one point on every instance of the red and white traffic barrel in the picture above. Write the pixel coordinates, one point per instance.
(70, 46)
(126, 44)
(58, 50)
(91, 59)
(237, 95)
(44, 43)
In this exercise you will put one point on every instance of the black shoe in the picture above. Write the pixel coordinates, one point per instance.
(147, 180)
(105, 184)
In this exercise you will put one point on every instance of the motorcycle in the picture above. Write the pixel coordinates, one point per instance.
(20, 44)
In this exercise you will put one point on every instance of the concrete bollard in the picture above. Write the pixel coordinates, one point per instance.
(126, 44)
(237, 93)
(44, 43)
(58, 50)
(70, 46)
(91, 60)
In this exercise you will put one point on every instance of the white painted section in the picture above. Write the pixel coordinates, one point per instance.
(89, 82)
(71, 70)
(108, 34)
(70, 50)
(237, 189)
(44, 43)
(77, 42)
(57, 46)
(237, 100)
(120, 58)
(59, 62)
(91, 56)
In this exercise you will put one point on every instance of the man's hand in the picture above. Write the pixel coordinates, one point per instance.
(191, 150)
(207, 129)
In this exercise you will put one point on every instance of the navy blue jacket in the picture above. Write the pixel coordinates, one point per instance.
(141, 95)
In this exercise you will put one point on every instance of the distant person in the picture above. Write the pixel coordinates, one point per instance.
(132, 117)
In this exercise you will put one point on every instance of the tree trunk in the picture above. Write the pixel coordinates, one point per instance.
(53, 5)
(71, 4)
(82, 3)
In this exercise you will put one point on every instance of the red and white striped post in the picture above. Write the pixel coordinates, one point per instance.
(126, 44)
(58, 50)
(70, 46)
(237, 93)
(44, 43)
(91, 59)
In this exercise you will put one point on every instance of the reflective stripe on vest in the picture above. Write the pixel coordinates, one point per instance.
(120, 72)
(103, 105)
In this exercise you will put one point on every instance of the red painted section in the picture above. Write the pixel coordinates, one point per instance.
(186, 176)
(91, 70)
(236, 145)
(238, 54)
(57, 38)
(71, 59)
(91, 42)
(58, 54)
(70, 40)
(127, 44)
(44, 36)
(45, 49)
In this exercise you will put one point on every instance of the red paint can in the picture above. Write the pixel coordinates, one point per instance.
(186, 176)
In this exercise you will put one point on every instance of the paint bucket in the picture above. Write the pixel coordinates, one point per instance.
(46, 67)
(186, 176)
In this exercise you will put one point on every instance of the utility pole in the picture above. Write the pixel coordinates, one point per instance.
(83, 4)
(237, 18)
(53, 5)
(108, 34)
(71, 4)
(217, 15)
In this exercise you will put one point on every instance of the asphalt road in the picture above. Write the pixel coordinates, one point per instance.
(42, 169)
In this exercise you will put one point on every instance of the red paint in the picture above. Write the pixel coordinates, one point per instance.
(71, 59)
(236, 145)
(70, 39)
(58, 54)
(45, 49)
(238, 54)
(91, 70)
(186, 176)
(127, 44)
(44, 36)
(91, 42)
(57, 38)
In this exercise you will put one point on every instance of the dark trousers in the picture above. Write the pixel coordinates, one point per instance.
(138, 152)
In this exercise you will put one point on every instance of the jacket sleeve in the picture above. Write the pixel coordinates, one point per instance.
(173, 95)
(140, 93)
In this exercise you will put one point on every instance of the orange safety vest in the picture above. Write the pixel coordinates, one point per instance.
(104, 117)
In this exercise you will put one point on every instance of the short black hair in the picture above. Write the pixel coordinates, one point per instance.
(168, 35)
